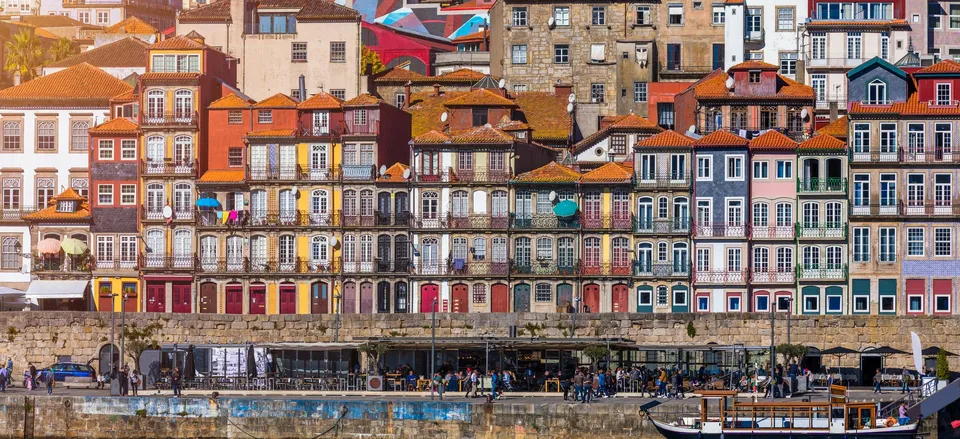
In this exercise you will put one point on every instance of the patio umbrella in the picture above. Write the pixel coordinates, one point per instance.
(565, 208)
(72, 246)
(932, 351)
(884, 352)
(251, 363)
(839, 352)
(49, 246)
(189, 366)
(208, 202)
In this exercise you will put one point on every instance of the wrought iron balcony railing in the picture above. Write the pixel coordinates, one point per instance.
(165, 262)
(822, 231)
(829, 185)
(544, 268)
(720, 277)
(175, 168)
(822, 272)
(776, 275)
(660, 271)
(661, 226)
(607, 222)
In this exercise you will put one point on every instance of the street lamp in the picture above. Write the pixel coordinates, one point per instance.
(789, 312)
(773, 314)
(433, 345)
(336, 315)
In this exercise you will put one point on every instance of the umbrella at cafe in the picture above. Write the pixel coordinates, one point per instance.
(73, 246)
(49, 246)
(189, 366)
(934, 351)
(565, 208)
(884, 351)
(839, 352)
(251, 363)
(208, 202)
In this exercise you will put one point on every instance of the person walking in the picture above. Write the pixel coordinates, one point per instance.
(135, 381)
(438, 384)
(876, 382)
(468, 383)
(578, 386)
(48, 379)
(587, 388)
(662, 383)
(4, 377)
(905, 377)
(175, 382)
(601, 385)
(33, 375)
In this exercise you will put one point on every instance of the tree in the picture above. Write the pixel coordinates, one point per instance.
(140, 339)
(595, 353)
(791, 352)
(375, 350)
(943, 368)
(62, 48)
(370, 63)
(24, 55)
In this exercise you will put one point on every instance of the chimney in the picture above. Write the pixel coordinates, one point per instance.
(483, 38)
(303, 88)
(562, 90)
(406, 94)
(16, 78)
(436, 89)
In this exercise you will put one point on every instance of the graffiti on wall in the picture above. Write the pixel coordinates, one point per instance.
(425, 18)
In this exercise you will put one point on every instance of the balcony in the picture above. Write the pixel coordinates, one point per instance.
(268, 219)
(835, 272)
(544, 268)
(939, 208)
(292, 173)
(676, 70)
(829, 185)
(753, 36)
(69, 267)
(776, 276)
(356, 220)
(401, 219)
(720, 277)
(357, 267)
(676, 226)
(461, 267)
(176, 119)
(622, 222)
(387, 266)
(114, 265)
(358, 172)
(161, 262)
(772, 232)
(721, 231)
(15, 214)
(208, 265)
(464, 176)
(838, 63)
(795, 131)
(660, 271)
(168, 168)
(208, 219)
(478, 222)
(153, 213)
(826, 231)
(893, 208)
(937, 156)
(887, 155)
(666, 180)
(606, 269)
(544, 221)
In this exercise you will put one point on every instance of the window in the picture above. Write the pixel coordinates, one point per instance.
(760, 170)
(942, 241)
(599, 16)
(955, 16)
(679, 297)
(704, 168)
(735, 167)
(935, 20)
(662, 296)
(885, 47)
(763, 304)
(861, 138)
(754, 77)
(861, 244)
(105, 194)
(941, 302)
(733, 303)
(665, 115)
(943, 93)
(542, 293)
(734, 260)
(175, 63)
(819, 45)
(888, 245)
(596, 92)
(643, 15)
(235, 117)
(915, 303)
(888, 137)
(640, 92)
(561, 53)
(854, 45)
(876, 92)
(84, 17)
(264, 116)
(618, 144)
(561, 16)
(761, 214)
(811, 303)
(785, 19)
(519, 88)
(719, 16)
(299, 52)
(9, 256)
(915, 241)
(754, 23)
(703, 259)
(788, 63)
(104, 248)
(128, 194)
(520, 16)
(128, 149)
(11, 136)
(338, 93)
(675, 15)
(479, 293)
(519, 53)
(338, 51)
(47, 136)
(78, 136)
(703, 303)
(105, 150)
(359, 117)
(784, 169)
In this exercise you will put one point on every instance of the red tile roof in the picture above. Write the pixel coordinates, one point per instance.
(754, 65)
(216, 12)
(82, 85)
(720, 138)
(480, 98)
(394, 174)
(837, 128)
(477, 135)
(610, 172)
(668, 139)
(170, 76)
(178, 42)
(402, 75)
(912, 107)
(223, 176)
(321, 101)
(432, 136)
(314, 10)
(772, 140)
(823, 142)
(945, 66)
(132, 25)
(128, 52)
(230, 102)
(459, 75)
(552, 172)
(630, 122)
(118, 125)
(278, 100)
(472, 38)
(787, 89)
(50, 214)
(276, 132)
(363, 100)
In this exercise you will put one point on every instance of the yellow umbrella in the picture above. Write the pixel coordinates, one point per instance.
(49, 246)
(72, 246)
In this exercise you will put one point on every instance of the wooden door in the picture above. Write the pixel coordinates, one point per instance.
(499, 298)
(156, 297)
(233, 299)
(105, 304)
(366, 298)
(429, 293)
(591, 298)
(132, 300)
(208, 298)
(621, 300)
(521, 298)
(564, 297)
(460, 297)
(348, 303)
(258, 299)
(181, 297)
(288, 299)
(318, 298)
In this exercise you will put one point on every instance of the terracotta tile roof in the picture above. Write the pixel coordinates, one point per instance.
(945, 66)
(178, 42)
(50, 212)
(216, 12)
(127, 96)
(610, 173)
(666, 139)
(51, 21)
(513, 125)
(69, 195)
(278, 100)
(772, 140)
(319, 10)
(630, 122)
(787, 89)
(118, 125)
(43, 33)
(402, 75)
(837, 128)
(720, 138)
(394, 174)
(480, 98)
(128, 52)
(460, 75)
(823, 142)
(174, 76)
(472, 38)
(432, 136)
(912, 107)
(754, 65)
(855, 23)
(223, 176)
(82, 85)
(276, 132)
(230, 102)
(364, 100)
(477, 135)
(321, 101)
(132, 25)
(552, 172)
(547, 115)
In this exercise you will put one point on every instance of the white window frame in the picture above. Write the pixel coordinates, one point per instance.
(704, 167)
(916, 239)
(807, 309)
(761, 170)
(726, 169)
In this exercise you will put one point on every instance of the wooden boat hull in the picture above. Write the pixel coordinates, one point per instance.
(677, 432)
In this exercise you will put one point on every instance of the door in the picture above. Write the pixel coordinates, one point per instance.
(564, 296)
(429, 293)
(258, 299)
(521, 298)
(366, 298)
(349, 304)
(591, 298)
(288, 299)
(868, 368)
(131, 299)
(234, 299)
(105, 304)
(620, 300)
(208, 298)
(318, 298)
(181, 297)
(460, 296)
(383, 208)
(499, 298)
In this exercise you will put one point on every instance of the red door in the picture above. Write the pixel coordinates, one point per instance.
(234, 299)
(288, 299)
(156, 298)
(258, 299)
(366, 298)
(349, 305)
(132, 299)
(499, 298)
(318, 298)
(591, 298)
(429, 293)
(460, 295)
(620, 298)
(105, 304)
(208, 298)
(181, 298)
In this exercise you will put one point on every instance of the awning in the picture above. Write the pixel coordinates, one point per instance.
(56, 289)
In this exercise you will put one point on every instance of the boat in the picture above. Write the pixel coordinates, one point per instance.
(723, 416)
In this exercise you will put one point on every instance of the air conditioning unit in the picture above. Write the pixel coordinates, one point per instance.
(374, 383)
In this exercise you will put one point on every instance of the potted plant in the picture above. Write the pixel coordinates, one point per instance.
(943, 370)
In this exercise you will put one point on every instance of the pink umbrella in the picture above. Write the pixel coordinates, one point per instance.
(49, 246)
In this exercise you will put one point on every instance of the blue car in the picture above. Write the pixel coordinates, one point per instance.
(63, 370)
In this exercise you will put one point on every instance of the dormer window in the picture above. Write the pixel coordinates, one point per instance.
(754, 77)
(277, 24)
(520, 135)
(876, 92)
(360, 117)
(176, 63)
(67, 206)
(943, 93)
(479, 117)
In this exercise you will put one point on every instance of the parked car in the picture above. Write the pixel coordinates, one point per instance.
(63, 370)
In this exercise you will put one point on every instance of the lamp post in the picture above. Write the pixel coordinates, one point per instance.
(123, 323)
(573, 317)
(433, 344)
(773, 314)
(336, 317)
(789, 313)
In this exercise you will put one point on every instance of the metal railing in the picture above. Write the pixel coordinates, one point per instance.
(393, 266)
(607, 222)
(661, 226)
(541, 268)
(460, 267)
(16, 213)
(649, 269)
(829, 185)
(114, 264)
(834, 61)
(661, 180)
(772, 232)
(822, 272)
(822, 231)
(544, 221)
(873, 209)
(258, 219)
(606, 269)
(451, 175)
(775, 275)
(357, 172)
(186, 118)
(899, 208)
(356, 220)
(721, 231)
(172, 167)
(63, 266)
(795, 132)
(401, 219)
(292, 173)
(164, 262)
(720, 277)
(478, 221)
(180, 213)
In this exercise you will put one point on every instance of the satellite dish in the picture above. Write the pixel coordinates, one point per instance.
(406, 174)
(729, 82)
(692, 129)
(295, 190)
(550, 22)
(443, 117)
(502, 83)
(167, 212)
(553, 195)
(571, 97)
(334, 242)
(383, 169)
(803, 113)
(570, 107)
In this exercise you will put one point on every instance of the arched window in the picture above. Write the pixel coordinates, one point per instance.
(811, 257)
(366, 203)
(877, 92)
(366, 253)
(258, 252)
(644, 257)
(479, 248)
(319, 250)
(461, 204)
(645, 213)
(350, 202)
(834, 257)
(183, 199)
(258, 206)
(47, 136)
(183, 105)
(544, 249)
(479, 293)
(499, 204)
(155, 153)
(460, 248)
(182, 247)
(565, 252)
(183, 150)
(208, 252)
(286, 249)
(235, 253)
(430, 204)
(155, 105)
(383, 297)
(400, 297)
(430, 255)
(662, 207)
(288, 206)
(591, 252)
(9, 255)
(522, 250)
(785, 260)
(79, 136)
(319, 208)
(621, 254)
(834, 214)
(154, 197)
